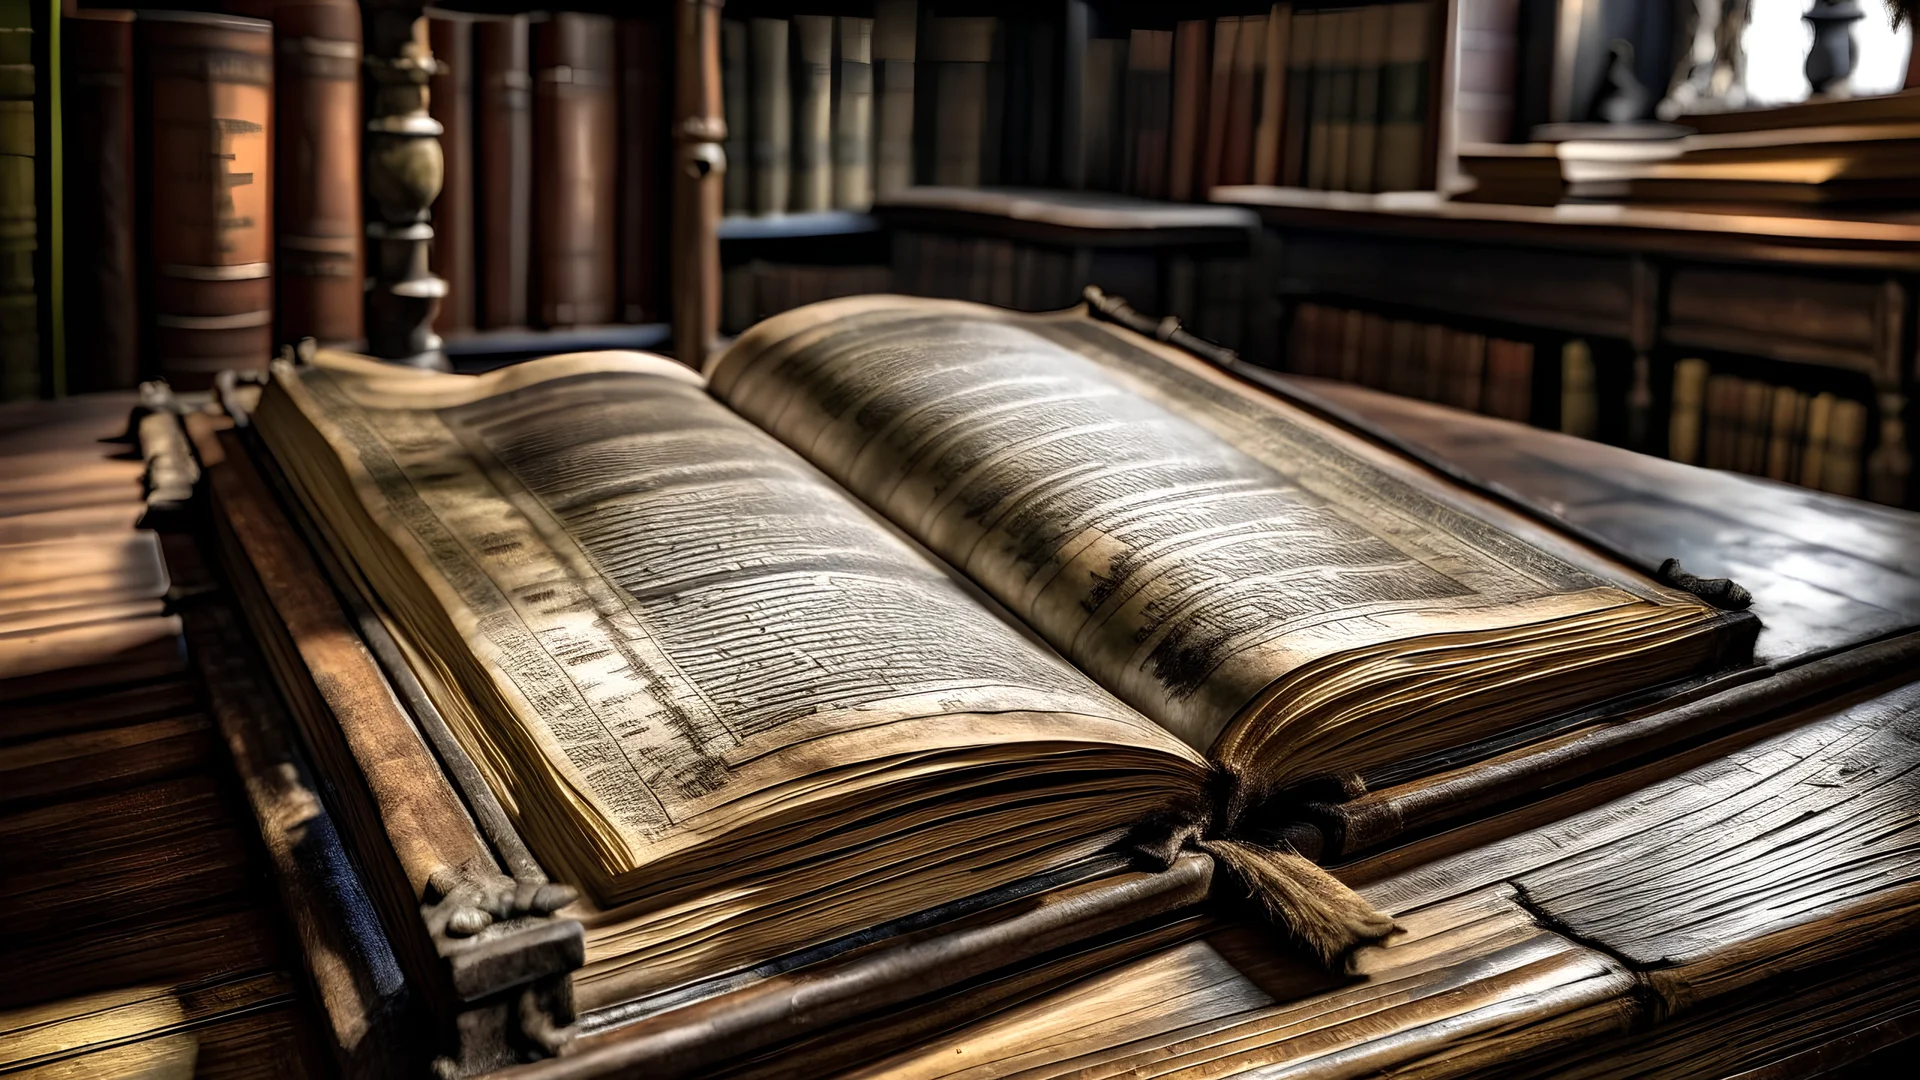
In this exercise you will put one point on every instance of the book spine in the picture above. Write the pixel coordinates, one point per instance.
(1813, 458)
(1321, 101)
(853, 117)
(1689, 403)
(1040, 150)
(1269, 132)
(737, 196)
(320, 272)
(1369, 60)
(1150, 104)
(770, 111)
(1302, 83)
(1405, 80)
(102, 280)
(645, 183)
(19, 218)
(1102, 99)
(1187, 134)
(574, 125)
(1226, 37)
(209, 88)
(1243, 101)
(1579, 400)
(1847, 432)
(812, 113)
(993, 114)
(503, 174)
(450, 101)
(1341, 80)
(895, 26)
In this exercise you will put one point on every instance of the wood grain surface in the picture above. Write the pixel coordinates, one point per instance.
(1753, 914)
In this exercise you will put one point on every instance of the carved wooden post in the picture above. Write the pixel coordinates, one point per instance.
(403, 176)
(700, 166)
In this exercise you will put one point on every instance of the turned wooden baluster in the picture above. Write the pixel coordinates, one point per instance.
(403, 174)
(700, 168)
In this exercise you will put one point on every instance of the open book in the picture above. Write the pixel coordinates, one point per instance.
(910, 599)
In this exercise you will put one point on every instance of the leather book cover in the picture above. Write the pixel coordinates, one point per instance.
(1370, 50)
(450, 101)
(1270, 129)
(812, 113)
(1188, 134)
(320, 274)
(1342, 52)
(1226, 42)
(853, 115)
(574, 124)
(19, 221)
(646, 188)
(503, 168)
(1403, 149)
(895, 25)
(1303, 44)
(770, 112)
(737, 193)
(207, 84)
(1149, 101)
(1243, 101)
(102, 279)
(1102, 100)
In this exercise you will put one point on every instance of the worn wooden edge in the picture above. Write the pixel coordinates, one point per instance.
(694, 1039)
(403, 819)
(481, 803)
(1407, 811)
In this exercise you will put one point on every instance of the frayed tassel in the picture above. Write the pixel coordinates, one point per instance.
(1327, 918)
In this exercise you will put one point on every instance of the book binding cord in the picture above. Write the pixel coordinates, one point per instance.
(1321, 914)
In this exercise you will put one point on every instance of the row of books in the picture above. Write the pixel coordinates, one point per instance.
(1430, 361)
(1725, 421)
(557, 197)
(819, 110)
(754, 290)
(1336, 99)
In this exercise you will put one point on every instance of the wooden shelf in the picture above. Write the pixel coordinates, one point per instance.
(1865, 242)
(1077, 218)
(818, 224)
(483, 350)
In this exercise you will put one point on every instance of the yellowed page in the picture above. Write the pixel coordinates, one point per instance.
(685, 617)
(1183, 545)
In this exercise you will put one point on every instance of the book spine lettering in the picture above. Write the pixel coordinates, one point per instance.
(209, 89)
(320, 272)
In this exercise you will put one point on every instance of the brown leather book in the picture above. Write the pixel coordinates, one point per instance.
(1187, 138)
(1226, 39)
(320, 270)
(208, 86)
(1270, 128)
(575, 161)
(503, 168)
(1149, 97)
(102, 279)
(451, 102)
(1243, 101)
(645, 207)
(20, 325)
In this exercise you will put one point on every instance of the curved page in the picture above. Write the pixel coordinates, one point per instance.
(1184, 545)
(696, 633)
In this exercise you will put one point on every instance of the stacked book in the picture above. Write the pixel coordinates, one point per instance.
(1823, 164)
(1430, 361)
(1724, 421)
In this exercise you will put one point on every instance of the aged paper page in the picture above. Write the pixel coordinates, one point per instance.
(678, 610)
(1183, 570)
